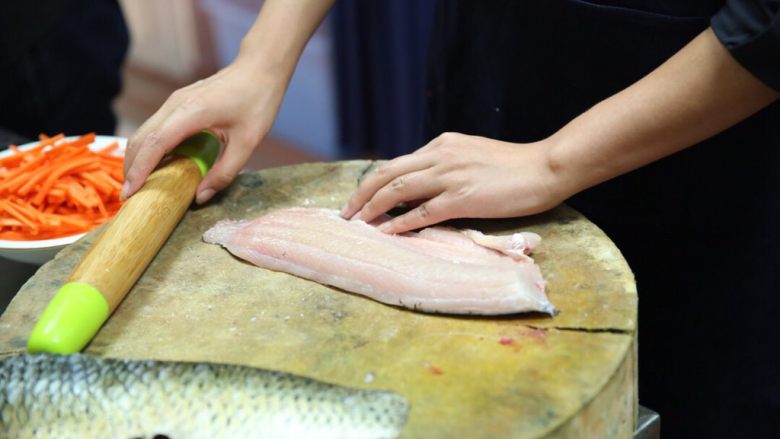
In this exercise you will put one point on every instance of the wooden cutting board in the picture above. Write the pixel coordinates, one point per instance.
(524, 376)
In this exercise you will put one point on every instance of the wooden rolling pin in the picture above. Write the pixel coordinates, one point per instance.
(123, 250)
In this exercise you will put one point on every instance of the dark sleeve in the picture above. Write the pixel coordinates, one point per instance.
(750, 30)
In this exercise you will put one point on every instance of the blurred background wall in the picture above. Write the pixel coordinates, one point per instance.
(176, 42)
(357, 91)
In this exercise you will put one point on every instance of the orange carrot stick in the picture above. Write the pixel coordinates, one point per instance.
(58, 188)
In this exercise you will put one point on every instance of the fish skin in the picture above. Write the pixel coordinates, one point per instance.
(437, 270)
(81, 396)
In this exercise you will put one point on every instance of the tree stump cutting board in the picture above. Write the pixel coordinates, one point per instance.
(523, 376)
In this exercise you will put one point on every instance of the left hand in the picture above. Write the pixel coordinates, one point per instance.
(459, 176)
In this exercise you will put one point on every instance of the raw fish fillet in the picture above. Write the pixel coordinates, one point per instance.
(438, 269)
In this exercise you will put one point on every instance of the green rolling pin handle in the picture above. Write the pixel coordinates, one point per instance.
(202, 148)
(78, 310)
(70, 320)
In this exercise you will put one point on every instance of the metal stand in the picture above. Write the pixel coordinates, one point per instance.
(648, 424)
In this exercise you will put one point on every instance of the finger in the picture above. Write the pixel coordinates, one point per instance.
(415, 186)
(385, 174)
(151, 125)
(436, 141)
(431, 212)
(180, 125)
(237, 152)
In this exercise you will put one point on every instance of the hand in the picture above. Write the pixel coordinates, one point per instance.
(459, 176)
(236, 103)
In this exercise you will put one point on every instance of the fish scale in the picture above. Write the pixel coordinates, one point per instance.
(81, 396)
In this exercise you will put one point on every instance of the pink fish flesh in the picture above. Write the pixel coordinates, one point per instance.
(437, 269)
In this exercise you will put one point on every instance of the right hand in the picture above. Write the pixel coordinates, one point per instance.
(461, 176)
(237, 104)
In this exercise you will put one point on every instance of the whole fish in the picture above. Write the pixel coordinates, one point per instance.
(81, 396)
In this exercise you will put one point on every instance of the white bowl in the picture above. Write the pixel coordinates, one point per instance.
(41, 251)
(35, 252)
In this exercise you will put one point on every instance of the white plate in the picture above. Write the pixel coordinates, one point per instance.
(39, 252)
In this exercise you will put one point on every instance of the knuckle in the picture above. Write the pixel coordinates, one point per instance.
(177, 94)
(152, 139)
(398, 184)
(396, 161)
(448, 137)
(390, 167)
(192, 104)
(463, 193)
(137, 140)
(444, 137)
(423, 211)
(385, 169)
(131, 145)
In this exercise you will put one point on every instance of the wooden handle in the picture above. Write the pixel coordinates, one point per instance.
(127, 245)
(123, 250)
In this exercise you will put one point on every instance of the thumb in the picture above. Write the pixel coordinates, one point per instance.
(225, 169)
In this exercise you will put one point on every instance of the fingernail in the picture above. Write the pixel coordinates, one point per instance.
(385, 227)
(125, 191)
(204, 196)
(358, 216)
(343, 212)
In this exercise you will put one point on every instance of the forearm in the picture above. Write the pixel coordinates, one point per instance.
(238, 103)
(697, 93)
(278, 36)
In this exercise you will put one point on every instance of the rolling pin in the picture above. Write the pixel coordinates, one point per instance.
(123, 250)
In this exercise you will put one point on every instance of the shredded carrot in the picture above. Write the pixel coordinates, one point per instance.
(109, 149)
(59, 187)
(47, 141)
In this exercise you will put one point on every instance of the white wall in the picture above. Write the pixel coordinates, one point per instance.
(164, 37)
(308, 116)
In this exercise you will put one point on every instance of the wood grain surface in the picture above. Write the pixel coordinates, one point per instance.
(126, 246)
(523, 376)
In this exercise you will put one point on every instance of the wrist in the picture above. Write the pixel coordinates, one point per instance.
(258, 78)
(563, 175)
(259, 60)
(279, 35)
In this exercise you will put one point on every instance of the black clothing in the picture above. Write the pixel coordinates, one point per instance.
(24, 23)
(699, 229)
(751, 32)
(61, 65)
